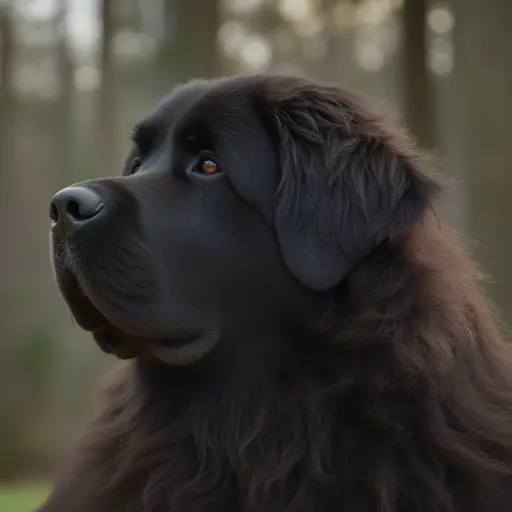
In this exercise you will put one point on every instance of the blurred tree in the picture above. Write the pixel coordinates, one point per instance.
(417, 90)
(7, 176)
(64, 107)
(482, 94)
(6, 101)
(8, 265)
(187, 46)
(107, 97)
(452, 123)
(336, 64)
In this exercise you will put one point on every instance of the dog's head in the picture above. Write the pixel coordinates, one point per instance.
(241, 198)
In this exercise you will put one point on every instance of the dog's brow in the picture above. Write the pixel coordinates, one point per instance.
(143, 135)
(140, 129)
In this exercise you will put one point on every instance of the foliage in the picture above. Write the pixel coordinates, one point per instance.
(22, 498)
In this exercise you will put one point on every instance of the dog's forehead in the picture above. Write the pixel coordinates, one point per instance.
(175, 106)
(221, 104)
(237, 133)
(242, 139)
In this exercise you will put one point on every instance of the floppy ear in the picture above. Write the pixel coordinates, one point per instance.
(344, 188)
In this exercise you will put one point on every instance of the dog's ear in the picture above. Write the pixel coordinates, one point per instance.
(346, 184)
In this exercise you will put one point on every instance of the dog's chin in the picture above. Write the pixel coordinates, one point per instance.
(182, 348)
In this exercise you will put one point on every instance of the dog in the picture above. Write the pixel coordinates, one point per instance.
(300, 332)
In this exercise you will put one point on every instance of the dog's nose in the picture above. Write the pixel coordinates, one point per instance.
(73, 207)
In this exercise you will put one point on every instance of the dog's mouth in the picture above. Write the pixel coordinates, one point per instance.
(114, 341)
(183, 347)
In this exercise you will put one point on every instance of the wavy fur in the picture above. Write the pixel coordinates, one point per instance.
(394, 396)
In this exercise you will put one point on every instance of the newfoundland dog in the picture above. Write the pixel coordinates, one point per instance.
(302, 333)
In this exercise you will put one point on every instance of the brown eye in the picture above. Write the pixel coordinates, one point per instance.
(208, 167)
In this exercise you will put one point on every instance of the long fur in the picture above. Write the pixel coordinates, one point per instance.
(397, 397)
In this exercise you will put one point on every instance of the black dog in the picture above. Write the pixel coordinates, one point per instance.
(304, 334)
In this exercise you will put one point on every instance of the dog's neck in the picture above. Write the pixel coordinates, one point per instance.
(259, 437)
(247, 358)
(247, 428)
(270, 432)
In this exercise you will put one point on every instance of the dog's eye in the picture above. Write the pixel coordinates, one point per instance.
(136, 165)
(207, 167)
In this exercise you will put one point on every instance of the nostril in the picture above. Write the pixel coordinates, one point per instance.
(83, 211)
(54, 212)
(73, 207)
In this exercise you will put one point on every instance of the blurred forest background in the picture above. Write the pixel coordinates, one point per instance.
(75, 75)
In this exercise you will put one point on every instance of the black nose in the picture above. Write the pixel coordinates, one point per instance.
(73, 207)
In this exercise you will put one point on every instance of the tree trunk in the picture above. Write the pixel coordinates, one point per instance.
(65, 125)
(417, 87)
(336, 65)
(7, 173)
(189, 45)
(6, 96)
(483, 42)
(456, 120)
(106, 106)
(9, 268)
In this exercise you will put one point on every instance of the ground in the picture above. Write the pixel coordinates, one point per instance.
(20, 498)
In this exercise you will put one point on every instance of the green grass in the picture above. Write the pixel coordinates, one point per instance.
(22, 498)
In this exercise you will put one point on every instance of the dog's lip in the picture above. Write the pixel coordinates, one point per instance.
(184, 352)
(180, 350)
(112, 343)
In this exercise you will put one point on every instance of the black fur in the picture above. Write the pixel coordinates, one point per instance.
(356, 365)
